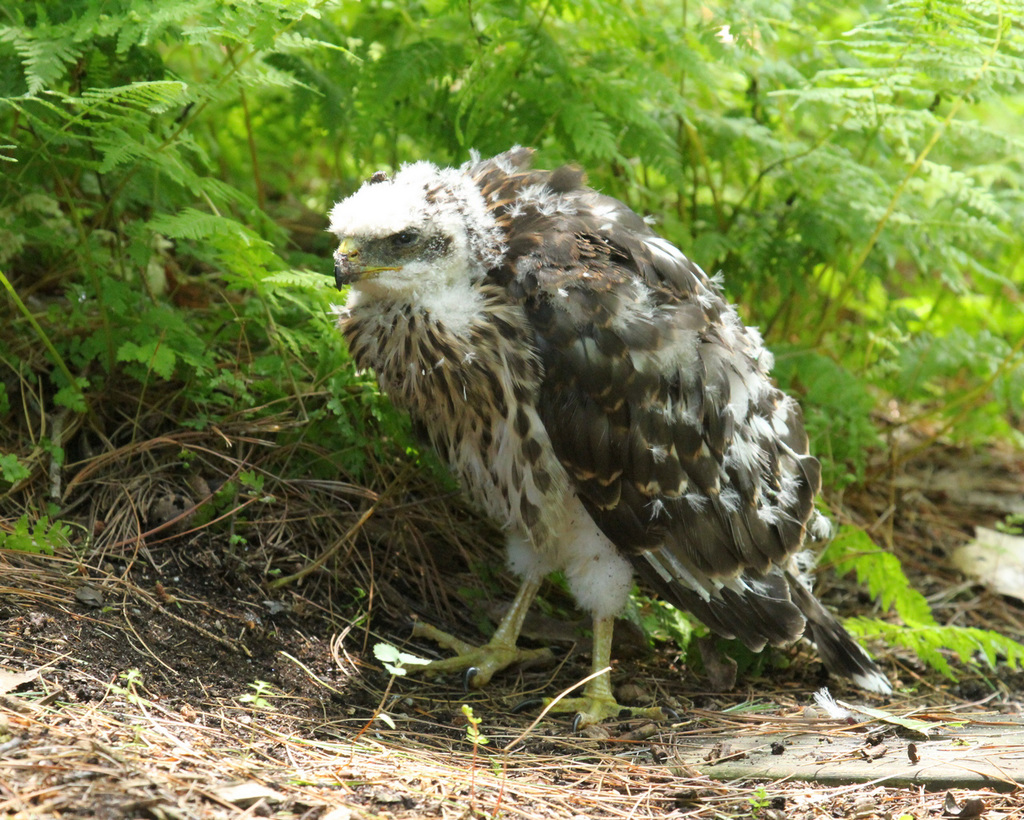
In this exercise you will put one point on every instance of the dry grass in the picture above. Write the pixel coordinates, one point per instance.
(127, 755)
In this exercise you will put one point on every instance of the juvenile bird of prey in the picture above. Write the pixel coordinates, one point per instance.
(595, 394)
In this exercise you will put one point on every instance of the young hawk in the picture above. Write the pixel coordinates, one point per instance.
(594, 393)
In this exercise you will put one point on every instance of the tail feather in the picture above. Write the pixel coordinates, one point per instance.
(775, 609)
(840, 653)
(757, 623)
(771, 619)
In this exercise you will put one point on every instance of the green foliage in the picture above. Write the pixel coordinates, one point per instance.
(881, 573)
(41, 536)
(759, 800)
(661, 621)
(473, 733)
(1013, 524)
(928, 641)
(12, 470)
(134, 216)
(258, 698)
(851, 171)
(853, 550)
(837, 412)
(133, 683)
(394, 660)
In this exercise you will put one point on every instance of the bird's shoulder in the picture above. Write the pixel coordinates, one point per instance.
(560, 235)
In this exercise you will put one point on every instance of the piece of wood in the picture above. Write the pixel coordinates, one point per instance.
(984, 752)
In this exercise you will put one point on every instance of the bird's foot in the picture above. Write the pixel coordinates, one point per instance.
(591, 710)
(477, 663)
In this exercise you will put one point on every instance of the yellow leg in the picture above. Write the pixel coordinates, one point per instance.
(497, 654)
(598, 702)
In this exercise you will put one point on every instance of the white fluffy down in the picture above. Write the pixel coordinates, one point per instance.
(599, 578)
(383, 208)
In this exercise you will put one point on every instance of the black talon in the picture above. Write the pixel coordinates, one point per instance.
(523, 705)
(576, 722)
(672, 714)
(467, 677)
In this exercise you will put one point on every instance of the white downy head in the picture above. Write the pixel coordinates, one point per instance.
(424, 232)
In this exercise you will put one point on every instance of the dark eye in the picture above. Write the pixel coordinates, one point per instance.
(405, 239)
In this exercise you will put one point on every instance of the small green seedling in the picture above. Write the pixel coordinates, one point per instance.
(395, 660)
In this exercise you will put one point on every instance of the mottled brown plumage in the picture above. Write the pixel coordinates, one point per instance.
(593, 392)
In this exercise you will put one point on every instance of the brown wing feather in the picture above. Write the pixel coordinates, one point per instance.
(657, 402)
(640, 356)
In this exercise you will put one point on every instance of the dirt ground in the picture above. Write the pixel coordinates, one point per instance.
(168, 664)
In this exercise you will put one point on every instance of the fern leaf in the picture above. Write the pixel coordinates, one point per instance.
(191, 223)
(155, 96)
(880, 572)
(43, 58)
(155, 356)
(297, 279)
(589, 131)
(928, 641)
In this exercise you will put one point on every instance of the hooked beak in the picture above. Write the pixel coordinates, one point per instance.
(348, 268)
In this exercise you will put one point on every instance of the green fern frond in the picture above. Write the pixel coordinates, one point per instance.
(44, 58)
(191, 223)
(589, 131)
(156, 96)
(853, 549)
(39, 536)
(881, 573)
(837, 411)
(306, 279)
(929, 641)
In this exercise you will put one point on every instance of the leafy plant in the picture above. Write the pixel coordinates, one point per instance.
(927, 641)
(853, 550)
(12, 470)
(473, 733)
(41, 536)
(837, 413)
(258, 698)
(759, 801)
(133, 683)
(662, 621)
(119, 218)
(394, 660)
